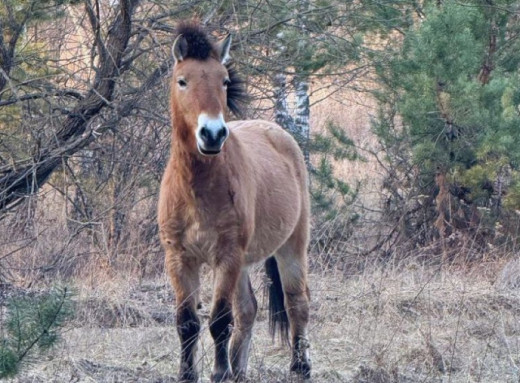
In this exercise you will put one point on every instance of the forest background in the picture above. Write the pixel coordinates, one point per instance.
(408, 114)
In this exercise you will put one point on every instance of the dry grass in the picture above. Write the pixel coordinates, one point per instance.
(412, 324)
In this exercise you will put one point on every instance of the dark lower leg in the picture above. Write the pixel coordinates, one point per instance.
(298, 312)
(293, 272)
(188, 327)
(300, 362)
(185, 281)
(220, 327)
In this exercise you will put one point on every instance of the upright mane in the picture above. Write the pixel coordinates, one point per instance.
(237, 96)
(200, 47)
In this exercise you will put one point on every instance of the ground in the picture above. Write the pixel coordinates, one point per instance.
(388, 324)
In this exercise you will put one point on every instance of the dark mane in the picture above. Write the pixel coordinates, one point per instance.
(237, 96)
(200, 47)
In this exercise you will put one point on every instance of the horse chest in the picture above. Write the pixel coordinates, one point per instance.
(200, 241)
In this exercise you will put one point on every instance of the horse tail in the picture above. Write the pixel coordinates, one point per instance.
(278, 320)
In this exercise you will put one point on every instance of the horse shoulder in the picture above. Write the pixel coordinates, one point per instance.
(175, 210)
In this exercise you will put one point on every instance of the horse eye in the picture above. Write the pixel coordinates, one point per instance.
(182, 83)
(227, 82)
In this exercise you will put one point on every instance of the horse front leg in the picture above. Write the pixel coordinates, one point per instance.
(184, 277)
(227, 272)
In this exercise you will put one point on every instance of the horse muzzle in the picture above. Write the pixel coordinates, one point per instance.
(211, 135)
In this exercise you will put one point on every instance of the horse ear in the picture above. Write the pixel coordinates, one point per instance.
(223, 47)
(179, 49)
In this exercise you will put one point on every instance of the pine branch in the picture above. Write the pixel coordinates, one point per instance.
(32, 323)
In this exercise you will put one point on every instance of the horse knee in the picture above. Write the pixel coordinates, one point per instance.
(220, 321)
(246, 315)
(249, 314)
(188, 324)
(298, 304)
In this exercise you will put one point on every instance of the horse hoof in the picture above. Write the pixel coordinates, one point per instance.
(240, 377)
(301, 368)
(188, 376)
(221, 376)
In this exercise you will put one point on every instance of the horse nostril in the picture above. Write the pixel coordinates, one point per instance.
(204, 133)
(222, 133)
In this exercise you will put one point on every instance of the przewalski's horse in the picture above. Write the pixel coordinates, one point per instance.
(233, 193)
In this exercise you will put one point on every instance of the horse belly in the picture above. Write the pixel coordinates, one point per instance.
(260, 249)
(276, 217)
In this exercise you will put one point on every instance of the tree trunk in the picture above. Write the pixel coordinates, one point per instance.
(25, 179)
(488, 63)
(302, 117)
(297, 122)
(282, 114)
(301, 81)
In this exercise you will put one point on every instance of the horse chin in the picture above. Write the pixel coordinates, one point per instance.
(208, 153)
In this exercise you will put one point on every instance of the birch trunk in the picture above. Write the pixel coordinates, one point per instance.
(282, 114)
(296, 119)
(301, 81)
(302, 114)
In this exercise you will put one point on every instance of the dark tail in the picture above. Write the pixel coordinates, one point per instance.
(278, 320)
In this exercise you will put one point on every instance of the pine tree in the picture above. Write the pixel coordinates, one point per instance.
(31, 327)
(449, 99)
(331, 194)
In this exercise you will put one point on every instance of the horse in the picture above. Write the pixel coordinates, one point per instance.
(233, 194)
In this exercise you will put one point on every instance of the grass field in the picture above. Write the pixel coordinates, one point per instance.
(393, 324)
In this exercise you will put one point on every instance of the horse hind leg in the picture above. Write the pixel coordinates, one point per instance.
(291, 260)
(245, 308)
